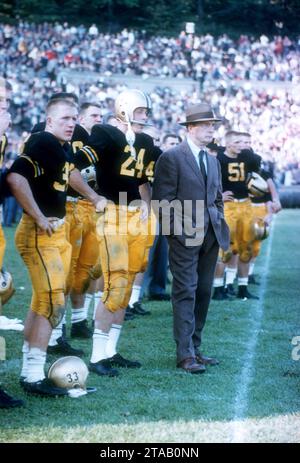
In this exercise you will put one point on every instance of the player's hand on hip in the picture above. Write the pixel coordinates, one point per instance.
(100, 203)
(145, 211)
(227, 196)
(47, 224)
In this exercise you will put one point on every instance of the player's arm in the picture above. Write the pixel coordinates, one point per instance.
(145, 192)
(276, 204)
(78, 184)
(20, 188)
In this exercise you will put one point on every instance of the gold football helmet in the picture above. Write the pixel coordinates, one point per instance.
(260, 229)
(256, 185)
(128, 101)
(6, 286)
(69, 372)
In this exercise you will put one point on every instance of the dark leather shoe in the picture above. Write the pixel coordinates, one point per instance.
(64, 348)
(244, 294)
(7, 401)
(44, 387)
(103, 368)
(191, 366)
(118, 361)
(203, 360)
(138, 309)
(81, 330)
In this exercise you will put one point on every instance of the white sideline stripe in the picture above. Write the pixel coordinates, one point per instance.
(246, 376)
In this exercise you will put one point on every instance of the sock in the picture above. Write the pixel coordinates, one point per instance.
(25, 350)
(78, 315)
(99, 346)
(57, 332)
(87, 302)
(218, 282)
(36, 360)
(243, 281)
(97, 296)
(230, 276)
(251, 268)
(135, 295)
(113, 338)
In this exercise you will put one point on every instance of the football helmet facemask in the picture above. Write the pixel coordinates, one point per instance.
(256, 185)
(89, 174)
(69, 373)
(128, 101)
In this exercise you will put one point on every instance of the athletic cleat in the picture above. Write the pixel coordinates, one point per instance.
(118, 361)
(138, 309)
(81, 330)
(103, 368)
(244, 294)
(129, 315)
(7, 401)
(45, 387)
(230, 291)
(252, 280)
(220, 294)
(63, 348)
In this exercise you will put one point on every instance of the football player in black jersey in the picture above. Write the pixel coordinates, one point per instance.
(135, 306)
(263, 207)
(236, 163)
(6, 400)
(58, 344)
(85, 253)
(119, 156)
(39, 179)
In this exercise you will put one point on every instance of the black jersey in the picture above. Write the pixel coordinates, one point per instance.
(46, 164)
(79, 139)
(3, 186)
(117, 170)
(235, 171)
(150, 159)
(39, 127)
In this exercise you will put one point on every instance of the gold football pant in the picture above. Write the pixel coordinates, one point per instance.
(122, 241)
(259, 212)
(152, 229)
(239, 217)
(48, 260)
(74, 237)
(88, 256)
(2, 246)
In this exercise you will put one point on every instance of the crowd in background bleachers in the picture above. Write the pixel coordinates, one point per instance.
(31, 56)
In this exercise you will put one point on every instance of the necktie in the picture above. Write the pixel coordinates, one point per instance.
(202, 165)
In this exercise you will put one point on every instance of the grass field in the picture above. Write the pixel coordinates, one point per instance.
(252, 396)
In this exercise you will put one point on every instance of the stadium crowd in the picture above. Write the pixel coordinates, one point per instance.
(42, 49)
(31, 55)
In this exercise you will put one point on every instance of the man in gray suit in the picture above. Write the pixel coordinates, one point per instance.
(188, 179)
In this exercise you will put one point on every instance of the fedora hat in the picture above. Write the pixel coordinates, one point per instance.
(201, 112)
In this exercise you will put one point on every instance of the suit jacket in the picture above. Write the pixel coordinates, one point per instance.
(178, 178)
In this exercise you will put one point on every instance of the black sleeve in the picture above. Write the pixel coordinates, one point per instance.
(26, 167)
(95, 148)
(255, 162)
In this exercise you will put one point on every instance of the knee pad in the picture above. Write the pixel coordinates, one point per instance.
(115, 291)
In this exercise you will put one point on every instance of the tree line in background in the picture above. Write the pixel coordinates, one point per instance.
(164, 17)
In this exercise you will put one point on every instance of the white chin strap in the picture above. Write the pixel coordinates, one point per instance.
(130, 137)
